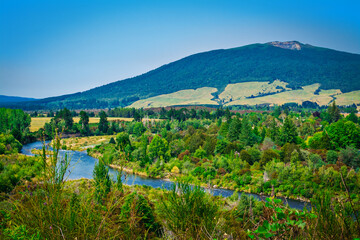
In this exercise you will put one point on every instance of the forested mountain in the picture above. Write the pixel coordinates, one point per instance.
(6, 99)
(292, 62)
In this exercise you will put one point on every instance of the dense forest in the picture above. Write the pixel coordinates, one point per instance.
(311, 155)
(256, 62)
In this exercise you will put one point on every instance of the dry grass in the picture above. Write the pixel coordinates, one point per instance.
(243, 90)
(297, 96)
(82, 143)
(184, 97)
(39, 122)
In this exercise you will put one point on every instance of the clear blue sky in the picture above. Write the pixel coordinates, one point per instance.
(51, 47)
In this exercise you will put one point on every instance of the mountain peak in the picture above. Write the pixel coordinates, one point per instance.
(292, 45)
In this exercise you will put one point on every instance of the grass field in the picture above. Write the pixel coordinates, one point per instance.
(238, 91)
(296, 96)
(39, 122)
(82, 143)
(200, 96)
(348, 98)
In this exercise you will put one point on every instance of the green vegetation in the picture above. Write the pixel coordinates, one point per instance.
(311, 156)
(16, 123)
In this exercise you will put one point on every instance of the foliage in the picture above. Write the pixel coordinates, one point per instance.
(103, 123)
(159, 148)
(189, 212)
(284, 224)
(8, 144)
(102, 181)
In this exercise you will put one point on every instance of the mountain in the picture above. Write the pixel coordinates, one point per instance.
(292, 62)
(13, 99)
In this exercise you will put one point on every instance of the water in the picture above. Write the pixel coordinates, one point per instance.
(82, 166)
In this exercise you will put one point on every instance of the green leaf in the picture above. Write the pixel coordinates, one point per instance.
(269, 235)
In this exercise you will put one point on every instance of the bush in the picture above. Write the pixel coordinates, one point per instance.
(137, 216)
(332, 157)
(189, 212)
(8, 144)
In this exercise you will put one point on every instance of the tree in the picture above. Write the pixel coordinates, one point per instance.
(234, 129)
(350, 156)
(268, 156)
(122, 140)
(103, 124)
(343, 133)
(247, 136)
(84, 121)
(334, 112)
(158, 148)
(352, 117)
(245, 156)
(65, 115)
(288, 131)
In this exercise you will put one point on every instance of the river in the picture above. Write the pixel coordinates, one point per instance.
(82, 165)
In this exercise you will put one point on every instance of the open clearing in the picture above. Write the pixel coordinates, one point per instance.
(200, 96)
(240, 91)
(82, 143)
(39, 122)
(307, 93)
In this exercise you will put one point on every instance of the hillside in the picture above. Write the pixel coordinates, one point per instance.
(295, 63)
(7, 99)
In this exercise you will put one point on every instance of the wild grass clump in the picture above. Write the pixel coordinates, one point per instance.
(190, 213)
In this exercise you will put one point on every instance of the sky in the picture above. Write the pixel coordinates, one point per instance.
(51, 48)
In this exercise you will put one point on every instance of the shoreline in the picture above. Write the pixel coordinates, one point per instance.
(142, 174)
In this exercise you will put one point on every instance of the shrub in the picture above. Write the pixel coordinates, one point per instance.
(189, 212)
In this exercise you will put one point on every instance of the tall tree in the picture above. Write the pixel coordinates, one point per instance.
(103, 124)
(288, 131)
(334, 112)
(84, 121)
(66, 116)
(234, 129)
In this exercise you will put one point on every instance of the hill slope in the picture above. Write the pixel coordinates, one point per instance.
(7, 99)
(291, 62)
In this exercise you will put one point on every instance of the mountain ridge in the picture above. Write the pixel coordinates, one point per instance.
(218, 68)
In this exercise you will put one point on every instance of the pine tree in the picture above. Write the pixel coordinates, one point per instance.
(234, 129)
(334, 112)
(103, 124)
(288, 132)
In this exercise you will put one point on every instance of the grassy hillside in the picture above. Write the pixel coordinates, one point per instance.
(239, 91)
(201, 96)
(296, 96)
(218, 68)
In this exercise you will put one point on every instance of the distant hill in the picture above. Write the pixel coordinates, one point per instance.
(291, 62)
(13, 99)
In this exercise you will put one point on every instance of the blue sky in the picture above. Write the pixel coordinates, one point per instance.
(50, 48)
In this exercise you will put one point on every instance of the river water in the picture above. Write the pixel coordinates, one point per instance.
(82, 166)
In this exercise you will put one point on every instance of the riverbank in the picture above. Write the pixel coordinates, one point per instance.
(204, 185)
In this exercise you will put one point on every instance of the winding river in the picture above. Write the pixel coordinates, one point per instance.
(82, 165)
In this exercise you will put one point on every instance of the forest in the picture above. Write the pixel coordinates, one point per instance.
(299, 153)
